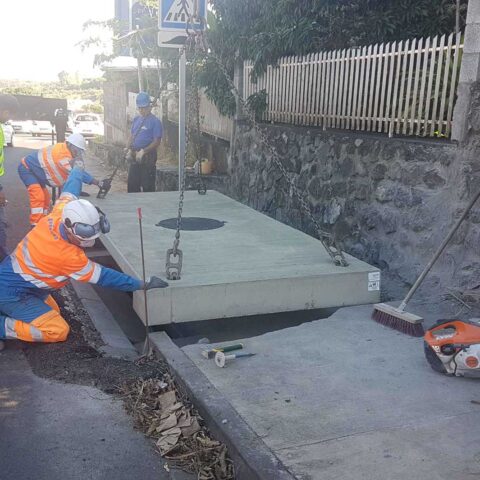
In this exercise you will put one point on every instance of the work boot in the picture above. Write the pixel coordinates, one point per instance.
(2, 345)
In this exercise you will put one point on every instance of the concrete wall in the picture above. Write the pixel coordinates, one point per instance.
(469, 71)
(115, 94)
(389, 200)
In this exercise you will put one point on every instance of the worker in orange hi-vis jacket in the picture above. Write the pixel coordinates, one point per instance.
(51, 166)
(45, 260)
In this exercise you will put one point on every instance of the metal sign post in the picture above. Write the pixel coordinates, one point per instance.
(182, 108)
(175, 17)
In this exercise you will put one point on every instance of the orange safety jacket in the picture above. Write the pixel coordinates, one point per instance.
(55, 162)
(47, 260)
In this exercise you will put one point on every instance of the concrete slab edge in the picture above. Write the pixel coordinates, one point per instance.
(116, 342)
(253, 459)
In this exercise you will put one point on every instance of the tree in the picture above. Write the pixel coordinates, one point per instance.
(63, 78)
(265, 30)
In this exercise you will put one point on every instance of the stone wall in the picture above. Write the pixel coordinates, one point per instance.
(390, 201)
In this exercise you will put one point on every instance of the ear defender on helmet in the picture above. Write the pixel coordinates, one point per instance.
(104, 223)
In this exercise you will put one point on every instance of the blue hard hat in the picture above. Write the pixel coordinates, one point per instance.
(143, 100)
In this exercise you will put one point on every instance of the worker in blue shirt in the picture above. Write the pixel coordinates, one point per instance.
(145, 137)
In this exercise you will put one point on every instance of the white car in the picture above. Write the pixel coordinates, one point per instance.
(21, 126)
(88, 124)
(8, 134)
(41, 127)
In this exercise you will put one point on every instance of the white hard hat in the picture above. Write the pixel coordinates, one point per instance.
(82, 219)
(78, 140)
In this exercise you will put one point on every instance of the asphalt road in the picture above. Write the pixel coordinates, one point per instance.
(17, 208)
(55, 431)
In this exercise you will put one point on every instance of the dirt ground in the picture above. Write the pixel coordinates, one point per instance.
(78, 361)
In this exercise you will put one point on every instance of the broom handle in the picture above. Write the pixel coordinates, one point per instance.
(441, 248)
(147, 338)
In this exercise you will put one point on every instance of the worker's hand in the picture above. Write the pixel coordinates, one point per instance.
(128, 153)
(155, 282)
(105, 184)
(3, 200)
(139, 155)
(78, 162)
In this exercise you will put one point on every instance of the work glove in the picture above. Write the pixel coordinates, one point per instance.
(105, 184)
(128, 154)
(155, 282)
(139, 155)
(78, 162)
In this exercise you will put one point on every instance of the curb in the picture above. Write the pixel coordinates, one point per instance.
(253, 459)
(116, 342)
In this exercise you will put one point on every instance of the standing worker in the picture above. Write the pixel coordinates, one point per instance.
(44, 261)
(61, 120)
(8, 106)
(145, 137)
(50, 167)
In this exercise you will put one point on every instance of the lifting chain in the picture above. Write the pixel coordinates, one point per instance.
(327, 239)
(201, 187)
(174, 261)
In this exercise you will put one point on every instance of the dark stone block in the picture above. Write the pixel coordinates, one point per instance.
(350, 148)
(432, 179)
(412, 175)
(389, 222)
(332, 211)
(379, 171)
(385, 192)
(370, 218)
(361, 192)
(346, 167)
(341, 230)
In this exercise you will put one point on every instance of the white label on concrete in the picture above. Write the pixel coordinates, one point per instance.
(373, 281)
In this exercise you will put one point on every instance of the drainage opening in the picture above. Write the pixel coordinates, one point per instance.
(192, 223)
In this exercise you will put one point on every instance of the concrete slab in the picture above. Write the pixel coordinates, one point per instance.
(253, 460)
(347, 398)
(252, 265)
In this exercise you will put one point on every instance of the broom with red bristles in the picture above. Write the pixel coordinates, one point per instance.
(397, 318)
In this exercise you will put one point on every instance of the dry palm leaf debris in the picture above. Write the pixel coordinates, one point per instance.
(160, 411)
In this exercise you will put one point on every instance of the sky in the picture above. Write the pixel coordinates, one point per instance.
(38, 37)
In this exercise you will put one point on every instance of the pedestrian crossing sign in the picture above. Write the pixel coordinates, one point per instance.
(175, 16)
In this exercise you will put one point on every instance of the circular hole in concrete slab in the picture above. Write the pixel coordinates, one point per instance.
(192, 223)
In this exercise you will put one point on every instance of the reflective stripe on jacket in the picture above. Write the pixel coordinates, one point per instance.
(47, 260)
(55, 162)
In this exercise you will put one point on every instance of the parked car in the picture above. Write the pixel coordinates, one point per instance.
(88, 124)
(41, 127)
(8, 134)
(17, 126)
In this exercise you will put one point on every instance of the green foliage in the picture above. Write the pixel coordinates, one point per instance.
(93, 108)
(258, 103)
(265, 30)
(87, 89)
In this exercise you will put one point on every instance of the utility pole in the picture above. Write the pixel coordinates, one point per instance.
(140, 74)
(457, 17)
(182, 97)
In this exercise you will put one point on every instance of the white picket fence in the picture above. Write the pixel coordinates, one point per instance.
(406, 87)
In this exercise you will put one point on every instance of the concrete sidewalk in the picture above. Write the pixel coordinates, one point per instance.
(53, 431)
(346, 398)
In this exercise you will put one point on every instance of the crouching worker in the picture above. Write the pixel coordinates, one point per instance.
(45, 260)
(50, 166)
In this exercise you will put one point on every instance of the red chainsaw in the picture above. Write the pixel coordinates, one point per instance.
(453, 347)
